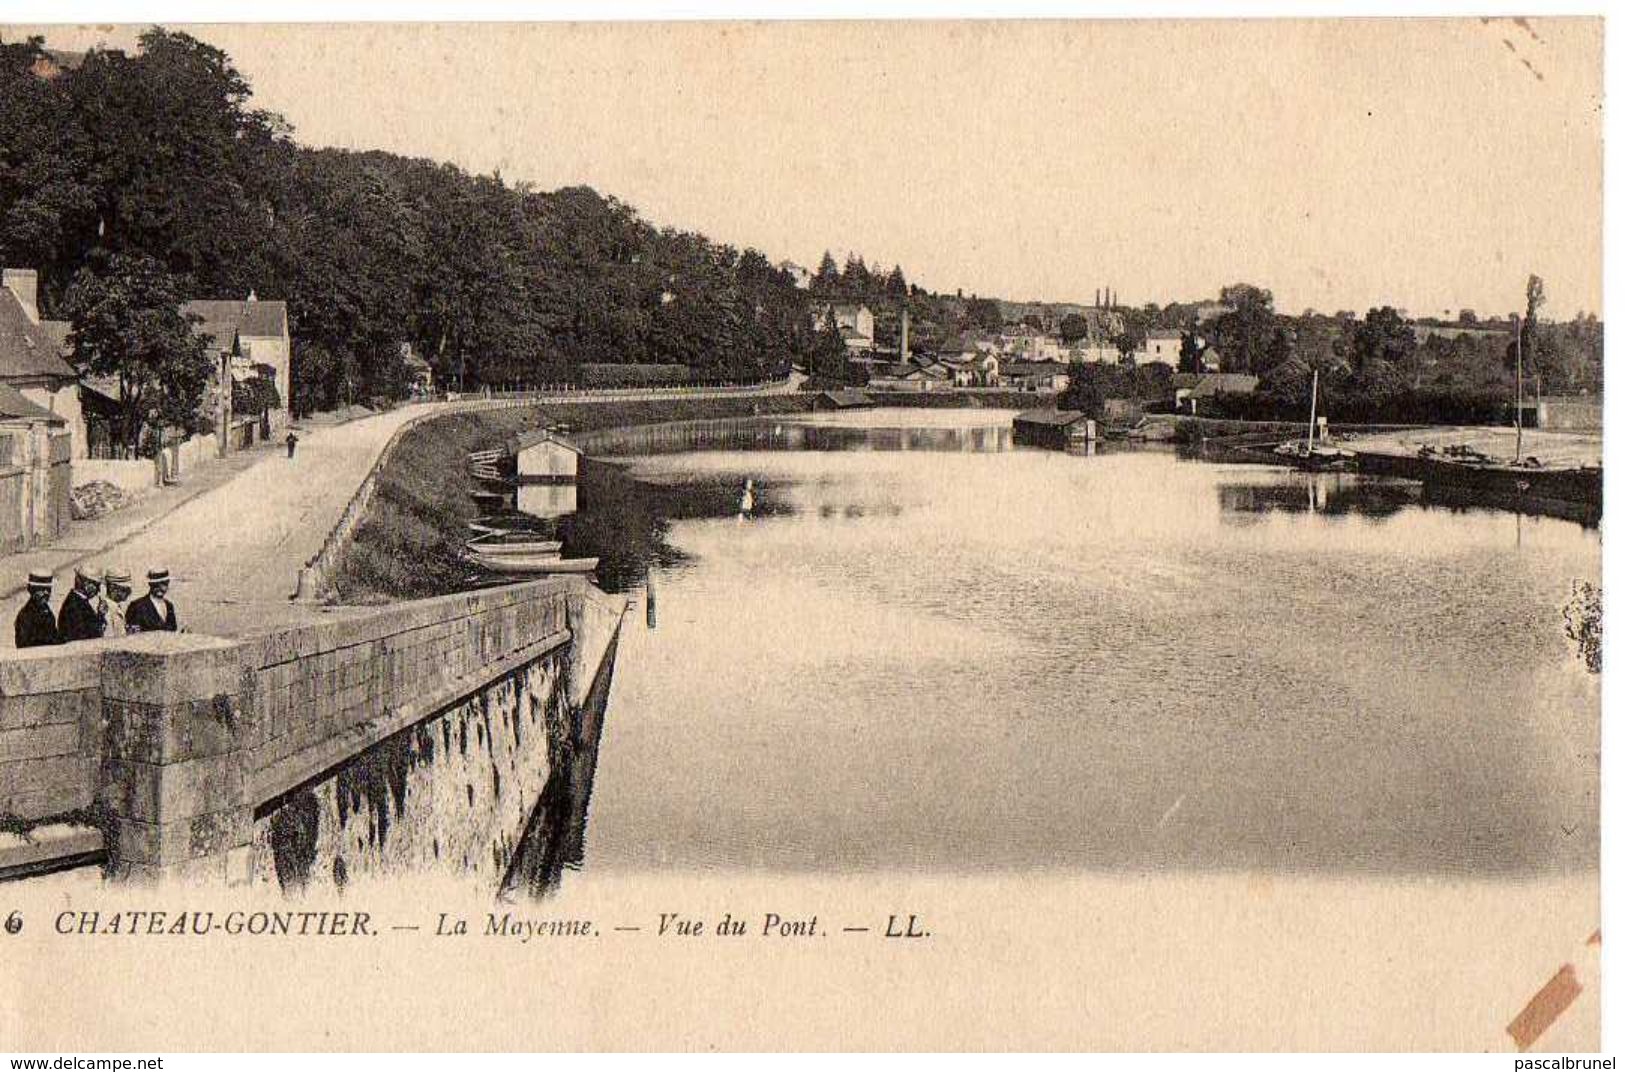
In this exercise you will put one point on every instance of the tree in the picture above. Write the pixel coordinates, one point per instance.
(1383, 345)
(1190, 353)
(1534, 297)
(984, 313)
(127, 324)
(1073, 327)
(44, 197)
(827, 279)
(1130, 340)
(896, 285)
(1242, 294)
(256, 394)
(829, 358)
(1467, 318)
(1083, 393)
(1245, 335)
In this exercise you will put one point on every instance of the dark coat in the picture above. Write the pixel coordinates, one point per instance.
(143, 617)
(78, 620)
(36, 626)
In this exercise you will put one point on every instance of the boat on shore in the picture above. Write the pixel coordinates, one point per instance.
(513, 543)
(530, 563)
(1306, 453)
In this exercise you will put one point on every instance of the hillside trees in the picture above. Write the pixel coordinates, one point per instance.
(127, 324)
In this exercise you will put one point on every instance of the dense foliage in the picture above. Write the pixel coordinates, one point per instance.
(133, 179)
(160, 155)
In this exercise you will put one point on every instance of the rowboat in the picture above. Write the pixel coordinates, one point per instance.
(499, 563)
(513, 543)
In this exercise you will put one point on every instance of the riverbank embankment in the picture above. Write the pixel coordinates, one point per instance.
(409, 542)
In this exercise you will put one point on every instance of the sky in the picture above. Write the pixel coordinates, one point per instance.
(1427, 164)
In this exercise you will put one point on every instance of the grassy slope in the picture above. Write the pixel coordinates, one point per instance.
(408, 544)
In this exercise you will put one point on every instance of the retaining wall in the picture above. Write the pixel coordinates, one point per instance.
(177, 739)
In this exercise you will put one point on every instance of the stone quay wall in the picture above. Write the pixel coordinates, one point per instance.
(172, 741)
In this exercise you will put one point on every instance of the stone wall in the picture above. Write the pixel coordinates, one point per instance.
(177, 740)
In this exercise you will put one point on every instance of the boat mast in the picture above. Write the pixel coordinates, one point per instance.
(1314, 391)
(1517, 413)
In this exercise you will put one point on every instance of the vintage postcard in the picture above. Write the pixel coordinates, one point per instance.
(931, 535)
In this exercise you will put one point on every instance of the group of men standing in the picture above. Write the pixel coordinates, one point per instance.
(88, 614)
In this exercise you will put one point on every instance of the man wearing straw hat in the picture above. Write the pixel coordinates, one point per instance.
(79, 619)
(36, 625)
(117, 581)
(153, 612)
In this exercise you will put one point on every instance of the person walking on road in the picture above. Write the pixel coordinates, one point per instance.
(36, 625)
(153, 612)
(79, 618)
(293, 441)
(117, 581)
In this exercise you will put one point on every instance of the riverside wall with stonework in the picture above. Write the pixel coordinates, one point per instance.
(197, 756)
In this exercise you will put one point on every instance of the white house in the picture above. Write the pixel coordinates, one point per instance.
(1161, 348)
(855, 322)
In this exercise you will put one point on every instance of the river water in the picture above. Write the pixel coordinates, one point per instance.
(924, 649)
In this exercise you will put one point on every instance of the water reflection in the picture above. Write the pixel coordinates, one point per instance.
(963, 660)
(1332, 494)
(546, 501)
(767, 434)
(554, 837)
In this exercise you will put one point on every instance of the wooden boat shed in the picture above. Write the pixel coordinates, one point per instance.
(544, 456)
(848, 399)
(1055, 429)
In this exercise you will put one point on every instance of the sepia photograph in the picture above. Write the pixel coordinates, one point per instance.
(937, 534)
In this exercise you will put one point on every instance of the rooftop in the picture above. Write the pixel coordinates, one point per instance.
(250, 318)
(27, 348)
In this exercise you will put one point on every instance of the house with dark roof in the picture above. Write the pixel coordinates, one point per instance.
(250, 332)
(1034, 375)
(911, 376)
(845, 399)
(33, 359)
(1191, 388)
(1054, 429)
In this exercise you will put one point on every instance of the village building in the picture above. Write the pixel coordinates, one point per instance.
(419, 373)
(846, 399)
(33, 358)
(1034, 375)
(249, 333)
(1161, 348)
(856, 323)
(911, 376)
(1190, 389)
(1097, 352)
